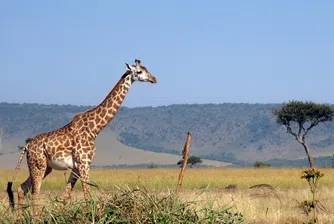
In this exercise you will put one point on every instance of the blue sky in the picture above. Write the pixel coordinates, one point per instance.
(73, 52)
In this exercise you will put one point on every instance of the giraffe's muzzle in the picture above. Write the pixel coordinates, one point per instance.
(153, 79)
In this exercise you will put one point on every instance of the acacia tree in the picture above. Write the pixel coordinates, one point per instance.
(303, 116)
(192, 160)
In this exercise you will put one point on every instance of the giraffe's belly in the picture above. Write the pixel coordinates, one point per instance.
(61, 164)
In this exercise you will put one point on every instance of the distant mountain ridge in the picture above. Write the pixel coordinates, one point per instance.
(227, 132)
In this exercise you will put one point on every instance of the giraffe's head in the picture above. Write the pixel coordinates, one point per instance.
(139, 73)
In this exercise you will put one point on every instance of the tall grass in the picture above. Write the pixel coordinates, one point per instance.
(126, 206)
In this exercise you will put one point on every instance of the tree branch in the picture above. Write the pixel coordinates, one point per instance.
(288, 130)
(301, 127)
(313, 124)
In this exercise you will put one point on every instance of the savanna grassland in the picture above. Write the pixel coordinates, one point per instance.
(215, 188)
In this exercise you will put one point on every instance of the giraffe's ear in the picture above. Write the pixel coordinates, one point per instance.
(128, 67)
(138, 62)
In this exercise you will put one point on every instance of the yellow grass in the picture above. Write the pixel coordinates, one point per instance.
(205, 185)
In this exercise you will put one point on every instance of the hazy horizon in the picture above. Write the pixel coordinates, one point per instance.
(127, 106)
(73, 52)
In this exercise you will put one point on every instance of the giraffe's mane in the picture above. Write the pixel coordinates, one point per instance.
(117, 84)
(79, 115)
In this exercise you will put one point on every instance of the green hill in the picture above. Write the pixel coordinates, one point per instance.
(227, 132)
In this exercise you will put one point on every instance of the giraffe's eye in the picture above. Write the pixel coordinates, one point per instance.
(139, 72)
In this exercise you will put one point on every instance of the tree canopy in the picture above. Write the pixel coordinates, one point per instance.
(302, 112)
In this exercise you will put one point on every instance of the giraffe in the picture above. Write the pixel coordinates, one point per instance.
(72, 146)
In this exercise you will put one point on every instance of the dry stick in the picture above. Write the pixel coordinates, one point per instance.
(185, 154)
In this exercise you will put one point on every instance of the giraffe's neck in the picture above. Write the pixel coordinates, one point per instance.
(100, 116)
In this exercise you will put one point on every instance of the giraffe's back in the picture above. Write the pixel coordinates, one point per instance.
(56, 146)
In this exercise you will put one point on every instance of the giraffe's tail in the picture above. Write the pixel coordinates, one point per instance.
(23, 151)
(10, 183)
(10, 194)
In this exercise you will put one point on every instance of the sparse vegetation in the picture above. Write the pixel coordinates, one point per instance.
(259, 164)
(153, 166)
(310, 207)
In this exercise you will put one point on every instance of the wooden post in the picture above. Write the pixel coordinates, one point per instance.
(185, 154)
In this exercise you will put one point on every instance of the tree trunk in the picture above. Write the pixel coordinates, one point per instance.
(309, 156)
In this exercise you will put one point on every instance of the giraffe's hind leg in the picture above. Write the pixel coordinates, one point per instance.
(24, 188)
(36, 182)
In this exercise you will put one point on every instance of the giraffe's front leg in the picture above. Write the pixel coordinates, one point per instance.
(84, 176)
(70, 185)
(81, 171)
(82, 158)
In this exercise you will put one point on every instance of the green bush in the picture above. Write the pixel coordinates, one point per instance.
(153, 166)
(259, 164)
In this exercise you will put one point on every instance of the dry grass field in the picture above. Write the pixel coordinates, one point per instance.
(209, 187)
